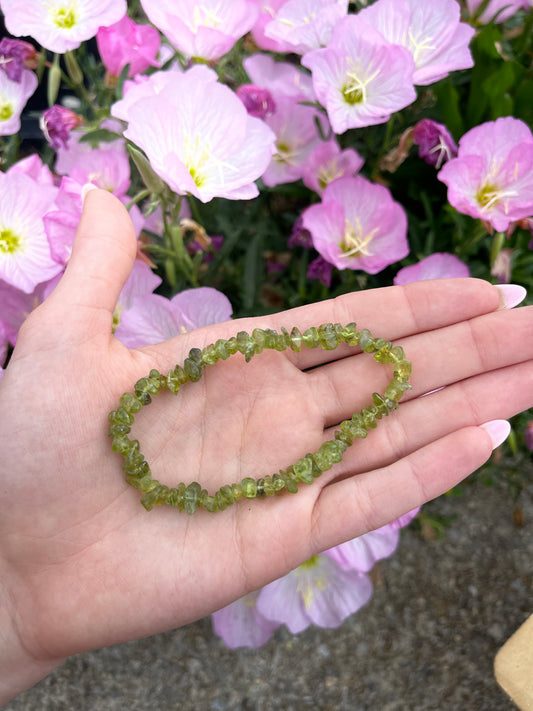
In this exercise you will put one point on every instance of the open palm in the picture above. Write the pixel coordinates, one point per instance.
(84, 565)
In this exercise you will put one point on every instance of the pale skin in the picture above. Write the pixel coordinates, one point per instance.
(83, 565)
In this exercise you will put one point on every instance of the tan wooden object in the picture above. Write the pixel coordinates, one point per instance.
(513, 666)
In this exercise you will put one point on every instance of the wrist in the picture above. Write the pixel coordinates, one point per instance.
(19, 669)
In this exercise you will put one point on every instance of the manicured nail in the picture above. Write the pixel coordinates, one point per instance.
(498, 430)
(511, 295)
(87, 189)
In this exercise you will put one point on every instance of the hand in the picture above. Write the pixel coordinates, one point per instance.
(83, 565)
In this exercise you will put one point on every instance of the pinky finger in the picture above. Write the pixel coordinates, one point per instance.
(351, 507)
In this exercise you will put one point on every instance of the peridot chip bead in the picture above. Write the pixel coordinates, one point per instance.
(296, 340)
(189, 498)
(221, 350)
(130, 403)
(327, 337)
(236, 490)
(303, 469)
(249, 487)
(310, 337)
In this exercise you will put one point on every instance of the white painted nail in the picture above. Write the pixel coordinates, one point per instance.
(87, 189)
(511, 295)
(498, 430)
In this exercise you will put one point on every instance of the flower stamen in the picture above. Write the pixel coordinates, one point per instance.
(355, 243)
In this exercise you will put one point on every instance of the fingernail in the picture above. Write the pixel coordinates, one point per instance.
(498, 430)
(87, 189)
(511, 295)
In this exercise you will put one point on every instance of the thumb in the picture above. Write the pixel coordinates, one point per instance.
(102, 258)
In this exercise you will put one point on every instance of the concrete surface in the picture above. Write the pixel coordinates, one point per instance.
(426, 642)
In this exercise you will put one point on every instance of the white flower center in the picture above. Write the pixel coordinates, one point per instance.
(199, 161)
(443, 150)
(206, 17)
(354, 90)
(490, 193)
(355, 243)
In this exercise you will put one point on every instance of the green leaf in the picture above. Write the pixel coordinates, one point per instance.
(448, 98)
(523, 102)
(99, 135)
(252, 271)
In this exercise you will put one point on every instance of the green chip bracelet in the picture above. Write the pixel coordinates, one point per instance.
(191, 497)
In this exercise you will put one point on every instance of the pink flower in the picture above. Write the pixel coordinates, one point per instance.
(435, 144)
(321, 270)
(60, 26)
(319, 592)
(359, 77)
(140, 283)
(13, 98)
(323, 591)
(200, 139)
(25, 258)
(431, 31)
(306, 24)
(492, 176)
(208, 29)
(327, 162)
(437, 266)
(281, 79)
(258, 102)
(363, 552)
(16, 305)
(152, 318)
(126, 42)
(358, 226)
(57, 122)
(242, 625)
(15, 56)
(61, 221)
(296, 136)
(267, 12)
(33, 167)
(495, 10)
(107, 166)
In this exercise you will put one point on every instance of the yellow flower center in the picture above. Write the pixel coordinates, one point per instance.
(305, 587)
(328, 173)
(200, 161)
(487, 195)
(6, 109)
(10, 242)
(64, 16)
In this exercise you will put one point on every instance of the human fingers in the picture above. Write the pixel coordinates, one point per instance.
(391, 312)
(350, 507)
(439, 358)
(426, 419)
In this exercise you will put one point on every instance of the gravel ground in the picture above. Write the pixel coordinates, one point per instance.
(426, 642)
